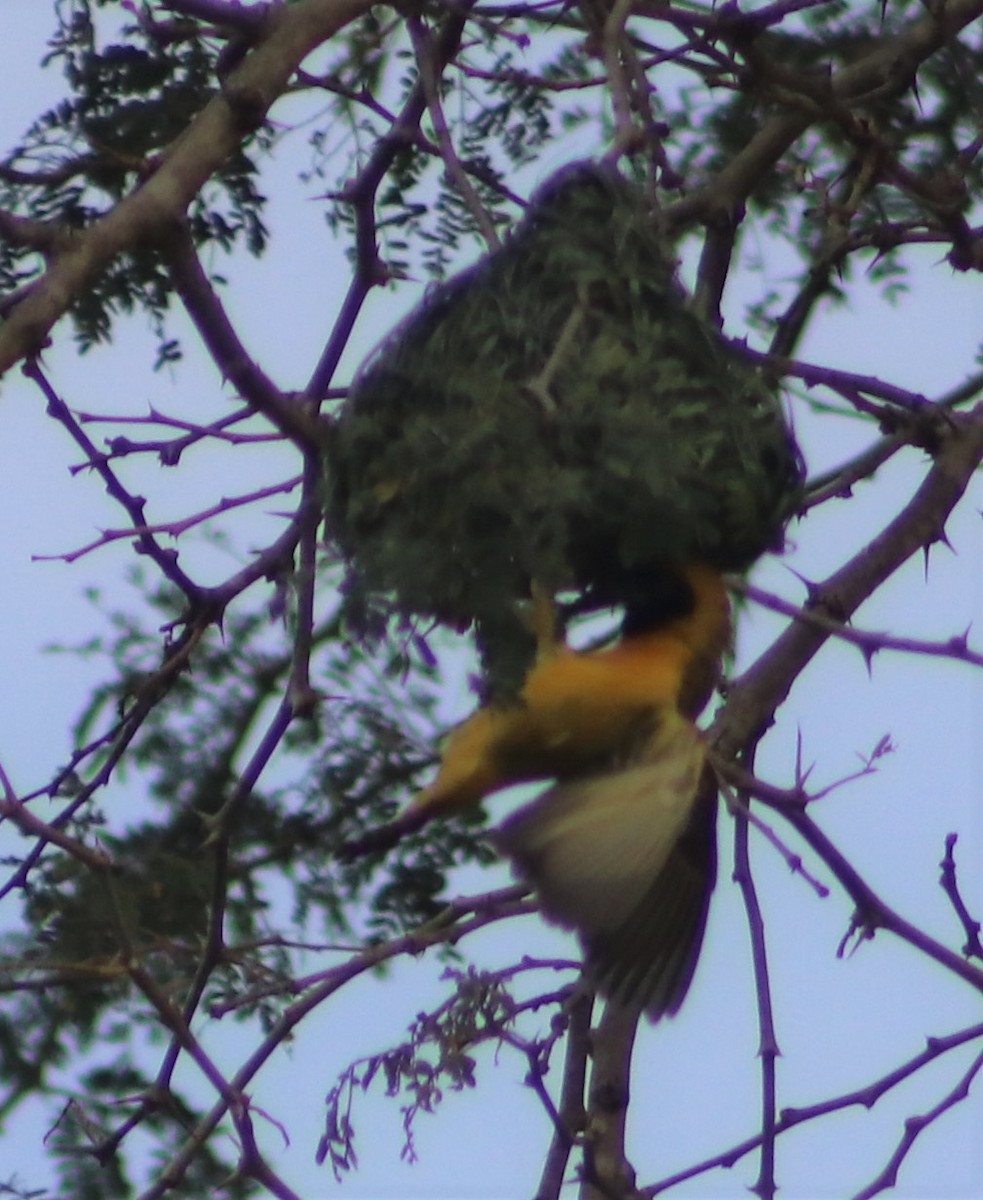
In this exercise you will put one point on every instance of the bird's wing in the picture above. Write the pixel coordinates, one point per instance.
(625, 859)
(650, 960)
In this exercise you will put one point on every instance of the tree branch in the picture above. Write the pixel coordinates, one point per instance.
(159, 202)
(768, 1051)
(887, 70)
(607, 1171)
(755, 696)
(227, 351)
(571, 1114)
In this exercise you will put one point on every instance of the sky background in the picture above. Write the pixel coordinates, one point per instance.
(841, 1022)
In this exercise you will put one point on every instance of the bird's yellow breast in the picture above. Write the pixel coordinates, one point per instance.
(585, 711)
(575, 711)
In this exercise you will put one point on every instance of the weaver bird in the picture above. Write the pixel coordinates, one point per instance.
(621, 849)
(580, 713)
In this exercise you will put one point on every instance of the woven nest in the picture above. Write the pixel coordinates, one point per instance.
(557, 412)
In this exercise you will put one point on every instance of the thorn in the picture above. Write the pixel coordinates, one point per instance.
(860, 930)
(868, 652)
(813, 590)
(959, 643)
(801, 773)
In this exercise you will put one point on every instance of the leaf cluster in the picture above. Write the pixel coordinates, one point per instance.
(438, 1055)
(131, 92)
(180, 848)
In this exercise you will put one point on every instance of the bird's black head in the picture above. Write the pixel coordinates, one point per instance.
(654, 597)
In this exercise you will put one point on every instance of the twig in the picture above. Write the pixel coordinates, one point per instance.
(300, 693)
(619, 88)
(868, 641)
(170, 451)
(361, 192)
(571, 1114)
(872, 912)
(838, 482)
(768, 1051)
(914, 1126)
(430, 65)
(740, 809)
(252, 1164)
(173, 529)
(12, 808)
(229, 354)
(514, 897)
(950, 885)
(133, 506)
(151, 692)
(789, 1118)
(412, 943)
(845, 382)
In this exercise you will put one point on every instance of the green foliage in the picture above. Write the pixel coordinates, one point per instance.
(87, 1121)
(438, 1055)
(184, 848)
(127, 102)
(504, 122)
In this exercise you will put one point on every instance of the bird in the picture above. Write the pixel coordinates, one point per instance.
(597, 721)
(621, 847)
(581, 711)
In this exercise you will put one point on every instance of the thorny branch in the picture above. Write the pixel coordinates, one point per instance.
(915, 1126)
(172, 529)
(133, 506)
(950, 885)
(756, 695)
(865, 1097)
(872, 912)
(496, 909)
(768, 1049)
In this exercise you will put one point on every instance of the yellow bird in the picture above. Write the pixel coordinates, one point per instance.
(621, 848)
(579, 712)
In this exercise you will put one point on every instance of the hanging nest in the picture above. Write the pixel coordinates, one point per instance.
(558, 413)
